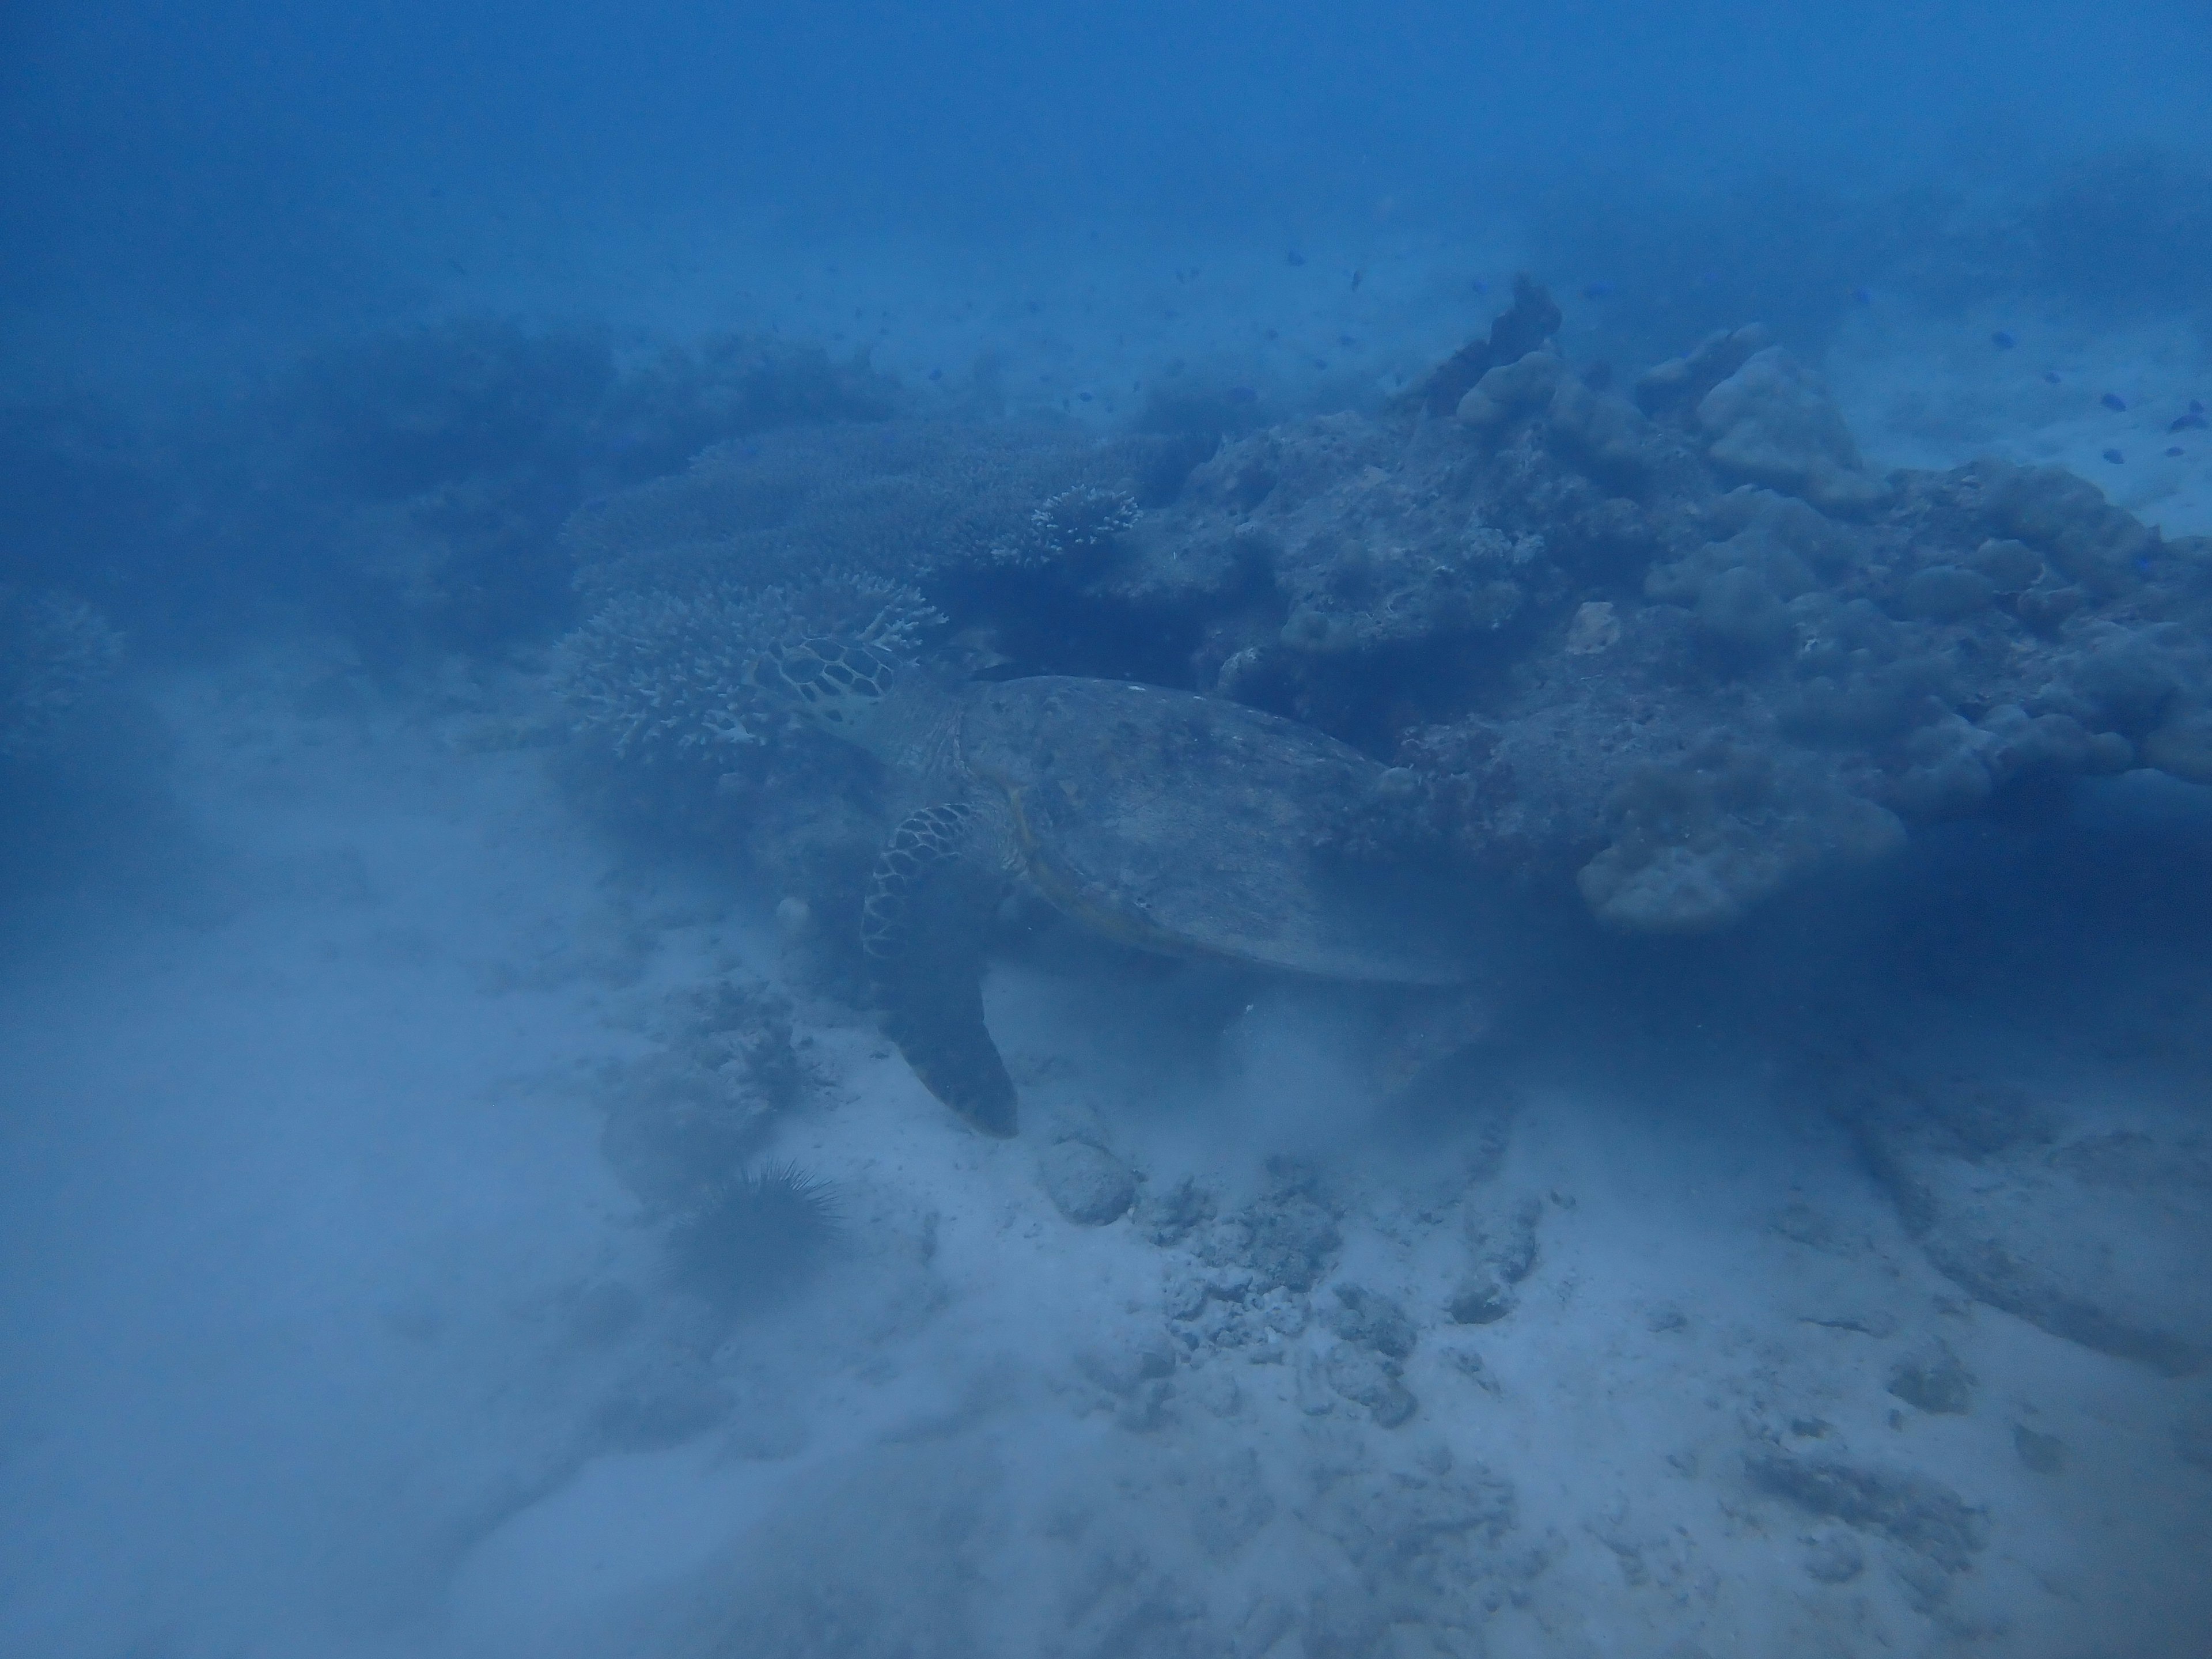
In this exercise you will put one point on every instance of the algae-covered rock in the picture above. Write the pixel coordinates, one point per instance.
(1511, 389)
(1681, 382)
(2091, 1223)
(1369, 1380)
(1122, 1361)
(1912, 1509)
(1480, 1298)
(1371, 1320)
(1607, 436)
(1532, 319)
(1772, 422)
(1087, 1184)
(2066, 520)
(2182, 747)
(1934, 1380)
(1696, 846)
(2010, 566)
(1947, 593)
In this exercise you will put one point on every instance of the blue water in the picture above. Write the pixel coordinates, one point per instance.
(466, 1188)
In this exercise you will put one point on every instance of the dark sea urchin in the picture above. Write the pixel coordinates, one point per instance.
(760, 1232)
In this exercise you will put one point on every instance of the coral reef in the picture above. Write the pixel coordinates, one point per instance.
(883, 531)
(664, 675)
(1673, 653)
(54, 651)
(1075, 524)
(1771, 423)
(1682, 651)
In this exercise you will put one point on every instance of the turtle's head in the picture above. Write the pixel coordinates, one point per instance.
(838, 682)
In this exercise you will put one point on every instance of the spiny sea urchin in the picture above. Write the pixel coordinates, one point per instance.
(760, 1231)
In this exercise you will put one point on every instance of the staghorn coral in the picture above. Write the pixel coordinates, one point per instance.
(1078, 521)
(53, 652)
(664, 676)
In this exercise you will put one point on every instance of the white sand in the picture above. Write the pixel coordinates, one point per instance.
(1929, 393)
(307, 1346)
(316, 1197)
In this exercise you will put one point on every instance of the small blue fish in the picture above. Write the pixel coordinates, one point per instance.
(1294, 257)
(1598, 291)
(1242, 394)
(1861, 297)
(2113, 401)
(2116, 458)
(2173, 449)
(936, 373)
(2186, 423)
(1083, 397)
(1480, 286)
(2050, 375)
(2004, 339)
(2196, 405)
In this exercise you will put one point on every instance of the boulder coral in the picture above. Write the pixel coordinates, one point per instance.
(1771, 423)
(1686, 648)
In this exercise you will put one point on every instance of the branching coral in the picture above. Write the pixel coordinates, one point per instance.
(1076, 522)
(53, 651)
(664, 675)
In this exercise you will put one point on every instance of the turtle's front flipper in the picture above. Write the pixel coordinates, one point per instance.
(935, 885)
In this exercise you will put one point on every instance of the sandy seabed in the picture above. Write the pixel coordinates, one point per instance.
(332, 1330)
(333, 1333)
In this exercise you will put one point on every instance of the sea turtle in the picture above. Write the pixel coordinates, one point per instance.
(1180, 824)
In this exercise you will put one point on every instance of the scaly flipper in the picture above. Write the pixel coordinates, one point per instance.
(935, 885)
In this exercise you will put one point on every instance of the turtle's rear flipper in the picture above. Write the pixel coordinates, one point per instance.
(933, 889)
